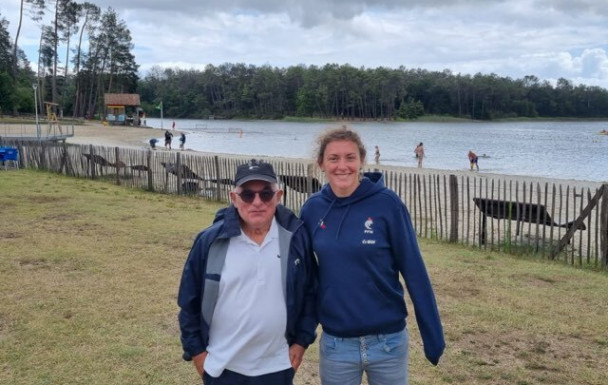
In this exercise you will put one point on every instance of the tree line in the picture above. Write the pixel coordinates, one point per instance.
(98, 58)
(342, 91)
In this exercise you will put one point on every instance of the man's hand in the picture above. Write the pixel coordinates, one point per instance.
(296, 353)
(199, 362)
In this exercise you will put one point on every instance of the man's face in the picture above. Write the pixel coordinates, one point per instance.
(256, 214)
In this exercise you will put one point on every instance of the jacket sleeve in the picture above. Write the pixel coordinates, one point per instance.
(306, 324)
(193, 338)
(412, 267)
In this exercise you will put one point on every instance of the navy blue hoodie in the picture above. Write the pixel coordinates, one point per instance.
(362, 243)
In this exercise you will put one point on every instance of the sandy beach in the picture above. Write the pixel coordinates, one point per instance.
(137, 137)
(114, 136)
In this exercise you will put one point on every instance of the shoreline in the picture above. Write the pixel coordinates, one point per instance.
(137, 137)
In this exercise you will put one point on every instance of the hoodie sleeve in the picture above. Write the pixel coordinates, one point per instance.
(412, 268)
(189, 301)
(306, 324)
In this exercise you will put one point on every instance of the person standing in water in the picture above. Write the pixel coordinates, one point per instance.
(419, 151)
(182, 141)
(473, 160)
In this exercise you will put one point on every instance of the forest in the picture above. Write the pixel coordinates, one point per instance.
(343, 91)
(99, 59)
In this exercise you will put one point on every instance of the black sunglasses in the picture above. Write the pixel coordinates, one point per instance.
(248, 196)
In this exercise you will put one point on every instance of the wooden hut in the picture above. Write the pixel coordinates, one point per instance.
(123, 109)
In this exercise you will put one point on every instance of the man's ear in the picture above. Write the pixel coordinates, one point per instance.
(232, 197)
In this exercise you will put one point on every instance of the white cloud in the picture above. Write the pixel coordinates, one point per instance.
(593, 63)
(546, 38)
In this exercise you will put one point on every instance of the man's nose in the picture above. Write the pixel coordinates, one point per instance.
(257, 199)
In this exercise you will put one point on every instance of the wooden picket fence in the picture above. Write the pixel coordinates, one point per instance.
(557, 221)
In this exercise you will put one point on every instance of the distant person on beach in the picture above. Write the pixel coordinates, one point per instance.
(153, 142)
(168, 139)
(473, 160)
(363, 239)
(182, 141)
(377, 155)
(247, 293)
(419, 151)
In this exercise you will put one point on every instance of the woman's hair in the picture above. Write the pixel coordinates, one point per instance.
(336, 134)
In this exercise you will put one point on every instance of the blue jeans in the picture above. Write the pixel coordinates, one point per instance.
(383, 357)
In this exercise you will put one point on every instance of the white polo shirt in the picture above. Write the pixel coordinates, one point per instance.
(247, 332)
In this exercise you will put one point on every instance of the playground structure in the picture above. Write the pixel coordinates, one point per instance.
(53, 125)
(54, 129)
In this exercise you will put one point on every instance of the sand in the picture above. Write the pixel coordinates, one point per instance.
(114, 136)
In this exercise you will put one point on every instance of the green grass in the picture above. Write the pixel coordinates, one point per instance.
(89, 274)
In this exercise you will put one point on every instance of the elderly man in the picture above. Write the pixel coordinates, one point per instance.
(247, 294)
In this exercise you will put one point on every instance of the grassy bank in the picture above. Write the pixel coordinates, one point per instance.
(89, 274)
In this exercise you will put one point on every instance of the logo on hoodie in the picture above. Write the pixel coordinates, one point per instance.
(368, 230)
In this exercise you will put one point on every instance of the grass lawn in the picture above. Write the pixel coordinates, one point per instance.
(89, 274)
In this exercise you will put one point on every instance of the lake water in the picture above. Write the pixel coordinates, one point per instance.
(564, 150)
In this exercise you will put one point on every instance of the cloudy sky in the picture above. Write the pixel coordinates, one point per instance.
(546, 38)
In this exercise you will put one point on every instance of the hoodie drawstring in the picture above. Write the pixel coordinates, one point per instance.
(342, 221)
(320, 223)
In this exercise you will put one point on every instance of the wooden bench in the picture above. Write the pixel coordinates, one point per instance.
(516, 211)
(302, 184)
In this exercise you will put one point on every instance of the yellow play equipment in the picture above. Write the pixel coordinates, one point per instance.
(51, 118)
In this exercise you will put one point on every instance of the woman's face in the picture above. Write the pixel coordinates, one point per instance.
(341, 164)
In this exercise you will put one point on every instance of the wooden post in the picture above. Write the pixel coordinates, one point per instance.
(149, 160)
(178, 165)
(604, 229)
(217, 177)
(91, 162)
(482, 228)
(309, 175)
(427, 220)
(438, 205)
(454, 208)
(21, 162)
(116, 163)
(64, 160)
(42, 156)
